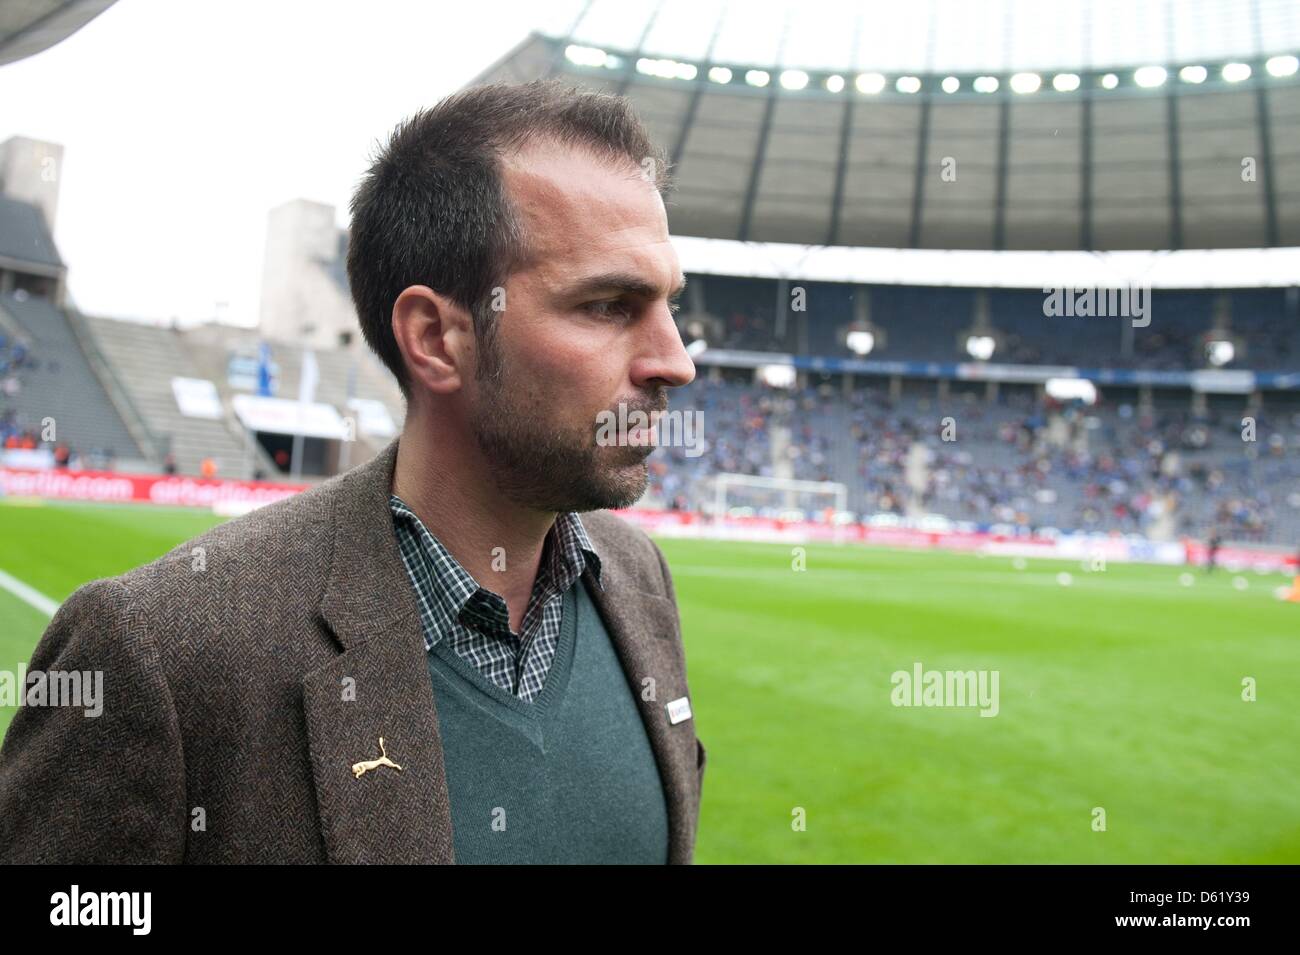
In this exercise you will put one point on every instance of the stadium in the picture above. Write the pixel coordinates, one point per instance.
(995, 317)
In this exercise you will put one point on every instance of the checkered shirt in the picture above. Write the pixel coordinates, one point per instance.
(475, 620)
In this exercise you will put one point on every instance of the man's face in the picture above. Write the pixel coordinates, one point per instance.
(587, 326)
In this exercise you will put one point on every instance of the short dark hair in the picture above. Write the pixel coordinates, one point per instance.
(433, 209)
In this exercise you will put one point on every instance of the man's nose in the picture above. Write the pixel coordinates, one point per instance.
(662, 360)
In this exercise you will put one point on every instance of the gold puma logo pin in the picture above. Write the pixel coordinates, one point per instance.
(368, 764)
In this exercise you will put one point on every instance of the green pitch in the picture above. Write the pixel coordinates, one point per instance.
(1121, 692)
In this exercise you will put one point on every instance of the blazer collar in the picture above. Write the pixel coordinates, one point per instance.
(362, 597)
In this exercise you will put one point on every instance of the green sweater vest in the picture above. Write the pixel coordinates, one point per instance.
(567, 778)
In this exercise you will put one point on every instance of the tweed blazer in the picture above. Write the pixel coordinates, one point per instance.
(248, 670)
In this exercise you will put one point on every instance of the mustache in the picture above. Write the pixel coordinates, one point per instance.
(655, 404)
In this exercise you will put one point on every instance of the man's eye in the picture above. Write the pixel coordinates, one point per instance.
(607, 309)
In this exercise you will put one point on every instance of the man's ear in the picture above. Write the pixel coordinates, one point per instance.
(435, 337)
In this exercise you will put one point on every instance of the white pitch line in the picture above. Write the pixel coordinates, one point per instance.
(28, 595)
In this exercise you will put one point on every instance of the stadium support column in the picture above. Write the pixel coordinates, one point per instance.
(782, 304)
(1085, 174)
(923, 137)
(1175, 163)
(1175, 173)
(1146, 402)
(1265, 123)
(756, 170)
(1000, 196)
(841, 169)
(918, 187)
(1085, 151)
(842, 157)
(764, 136)
(1265, 165)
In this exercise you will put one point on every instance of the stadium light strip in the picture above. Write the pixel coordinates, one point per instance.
(871, 83)
(1281, 66)
(1026, 83)
(1150, 76)
(794, 79)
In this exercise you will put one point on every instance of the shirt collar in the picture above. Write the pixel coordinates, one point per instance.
(568, 553)
(574, 550)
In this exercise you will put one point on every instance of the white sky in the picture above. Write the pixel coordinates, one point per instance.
(183, 124)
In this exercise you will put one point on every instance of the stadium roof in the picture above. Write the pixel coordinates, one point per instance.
(931, 36)
(1151, 156)
(28, 27)
(24, 235)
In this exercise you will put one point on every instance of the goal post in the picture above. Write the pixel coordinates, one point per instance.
(788, 492)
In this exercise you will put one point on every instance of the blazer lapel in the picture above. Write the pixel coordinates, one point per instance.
(377, 687)
(644, 630)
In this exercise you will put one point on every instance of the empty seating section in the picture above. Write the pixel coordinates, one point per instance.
(147, 359)
(929, 324)
(59, 383)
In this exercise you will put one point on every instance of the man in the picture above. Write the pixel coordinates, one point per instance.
(431, 658)
(1212, 551)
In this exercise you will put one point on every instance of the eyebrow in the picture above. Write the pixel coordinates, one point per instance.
(622, 283)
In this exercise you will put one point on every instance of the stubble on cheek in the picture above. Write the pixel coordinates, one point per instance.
(540, 451)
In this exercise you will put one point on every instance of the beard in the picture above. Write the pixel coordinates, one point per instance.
(541, 464)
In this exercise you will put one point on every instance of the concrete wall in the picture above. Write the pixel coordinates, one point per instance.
(301, 302)
(32, 170)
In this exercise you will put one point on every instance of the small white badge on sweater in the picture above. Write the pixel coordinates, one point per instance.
(679, 710)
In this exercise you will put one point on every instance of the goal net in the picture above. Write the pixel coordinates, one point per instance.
(743, 495)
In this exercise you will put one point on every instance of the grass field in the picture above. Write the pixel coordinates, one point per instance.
(1120, 691)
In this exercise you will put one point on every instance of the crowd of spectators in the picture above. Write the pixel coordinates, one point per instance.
(1162, 471)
